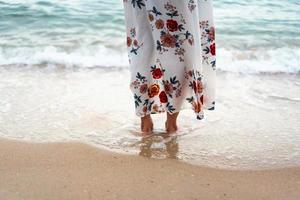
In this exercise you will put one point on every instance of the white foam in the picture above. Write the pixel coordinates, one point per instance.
(259, 60)
(83, 57)
(247, 61)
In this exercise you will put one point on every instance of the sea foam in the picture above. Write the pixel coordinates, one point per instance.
(280, 60)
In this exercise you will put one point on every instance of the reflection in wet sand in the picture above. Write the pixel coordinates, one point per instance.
(160, 145)
(252, 127)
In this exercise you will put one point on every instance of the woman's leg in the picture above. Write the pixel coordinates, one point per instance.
(141, 51)
(146, 124)
(171, 123)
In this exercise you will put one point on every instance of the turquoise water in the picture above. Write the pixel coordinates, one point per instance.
(254, 36)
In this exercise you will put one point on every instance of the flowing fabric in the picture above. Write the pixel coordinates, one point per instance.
(171, 52)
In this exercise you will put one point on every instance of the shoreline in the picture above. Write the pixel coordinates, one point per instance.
(73, 170)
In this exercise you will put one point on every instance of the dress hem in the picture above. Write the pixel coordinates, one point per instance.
(199, 115)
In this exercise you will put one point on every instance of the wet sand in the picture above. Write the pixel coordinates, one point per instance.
(43, 104)
(38, 171)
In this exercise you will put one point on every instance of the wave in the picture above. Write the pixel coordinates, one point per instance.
(280, 60)
(260, 60)
(51, 55)
(284, 98)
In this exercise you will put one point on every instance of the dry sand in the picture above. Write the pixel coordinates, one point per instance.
(58, 171)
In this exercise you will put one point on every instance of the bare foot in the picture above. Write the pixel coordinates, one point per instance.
(171, 123)
(146, 125)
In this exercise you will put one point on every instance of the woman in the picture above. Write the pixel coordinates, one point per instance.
(171, 51)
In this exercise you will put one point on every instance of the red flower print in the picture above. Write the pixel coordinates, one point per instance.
(157, 73)
(197, 86)
(135, 43)
(163, 97)
(143, 88)
(168, 40)
(172, 25)
(155, 108)
(168, 88)
(129, 41)
(153, 90)
(134, 84)
(197, 106)
(150, 16)
(159, 24)
(213, 49)
(201, 99)
(145, 109)
(211, 34)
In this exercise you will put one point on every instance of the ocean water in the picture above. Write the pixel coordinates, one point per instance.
(64, 77)
(252, 37)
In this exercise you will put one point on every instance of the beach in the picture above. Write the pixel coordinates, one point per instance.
(251, 127)
(68, 128)
(78, 171)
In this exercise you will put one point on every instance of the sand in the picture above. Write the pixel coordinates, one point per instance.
(75, 171)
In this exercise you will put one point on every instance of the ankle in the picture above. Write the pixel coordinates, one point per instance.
(146, 117)
(146, 124)
(170, 125)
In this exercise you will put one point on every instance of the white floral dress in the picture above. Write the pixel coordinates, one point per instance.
(171, 51)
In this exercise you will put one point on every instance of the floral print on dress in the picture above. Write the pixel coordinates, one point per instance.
(171, 62)
(171, 26)
(208, 43)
